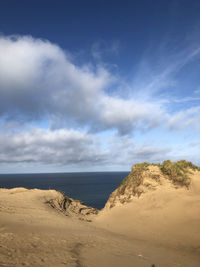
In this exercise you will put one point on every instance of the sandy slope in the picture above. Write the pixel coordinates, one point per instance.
(142, 233)
(166, 216)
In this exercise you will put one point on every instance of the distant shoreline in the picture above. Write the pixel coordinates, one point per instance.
(76, 185)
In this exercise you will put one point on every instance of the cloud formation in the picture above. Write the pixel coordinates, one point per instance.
(50, 147)
(38, 80)
(73, 148)
(185, 118)
(53, 111)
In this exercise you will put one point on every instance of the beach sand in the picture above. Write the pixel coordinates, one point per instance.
(160, 228)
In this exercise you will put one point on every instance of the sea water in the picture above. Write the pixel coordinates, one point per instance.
(92, 188)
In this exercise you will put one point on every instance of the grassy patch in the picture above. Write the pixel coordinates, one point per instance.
(141, 166)
(178, 172)
(135, 178)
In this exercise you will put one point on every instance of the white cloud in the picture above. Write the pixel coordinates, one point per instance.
(149, 153)
(37, 79)
(130, 114)
(39, 83)
(73, 149)
(185, 118)
(61, 147)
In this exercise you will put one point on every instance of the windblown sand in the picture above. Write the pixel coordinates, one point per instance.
(161, 227)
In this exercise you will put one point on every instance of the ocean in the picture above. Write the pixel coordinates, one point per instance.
(92, 188)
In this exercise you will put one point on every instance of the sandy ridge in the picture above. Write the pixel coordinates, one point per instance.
(43, 228)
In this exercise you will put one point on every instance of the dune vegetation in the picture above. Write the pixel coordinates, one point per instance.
(178, 172)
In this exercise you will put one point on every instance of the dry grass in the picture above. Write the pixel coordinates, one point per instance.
(134, 179)
(178, 172)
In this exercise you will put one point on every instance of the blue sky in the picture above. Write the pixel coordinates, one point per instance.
(96, 86)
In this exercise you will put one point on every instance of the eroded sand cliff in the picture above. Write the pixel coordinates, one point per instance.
(150, 219)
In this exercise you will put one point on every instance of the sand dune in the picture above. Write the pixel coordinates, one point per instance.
(165, 215)
(41, 228)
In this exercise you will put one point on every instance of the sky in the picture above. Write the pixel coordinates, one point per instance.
(98, 85)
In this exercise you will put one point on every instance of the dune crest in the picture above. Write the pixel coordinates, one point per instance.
(155, 205)
(151, 219)
(145, 177)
